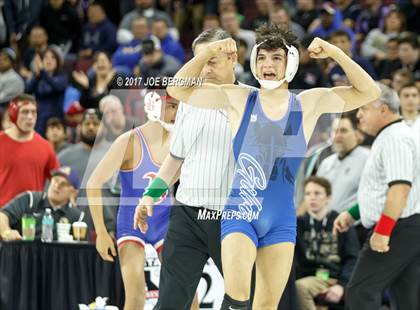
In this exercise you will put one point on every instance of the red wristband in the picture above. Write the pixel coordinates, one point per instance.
(385, 225)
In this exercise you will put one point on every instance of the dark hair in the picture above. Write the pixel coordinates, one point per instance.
(409, 39)
(393, 39)
(400, 15)
(321, 182)
(55, 122)
(405, 73)
(275, 37)
(408, 85)
(97, 3)
(210, 17)
(210, 35)
(98, 53)
(340, 33)
(351, 116)
(56, 54)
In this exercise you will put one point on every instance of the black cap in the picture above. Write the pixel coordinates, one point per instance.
(150, 45)
(92, 112)
(55, 122)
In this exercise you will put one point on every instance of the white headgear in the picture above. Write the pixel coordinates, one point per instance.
(153, 109)
(292, 64)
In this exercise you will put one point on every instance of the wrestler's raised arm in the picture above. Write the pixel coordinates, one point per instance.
(362, 89)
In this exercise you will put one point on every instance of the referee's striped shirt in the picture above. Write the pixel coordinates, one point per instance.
(394, 158)
(203, 139)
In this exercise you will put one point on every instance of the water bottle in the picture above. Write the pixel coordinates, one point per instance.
(47, 226)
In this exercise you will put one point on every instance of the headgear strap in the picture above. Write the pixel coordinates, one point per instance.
(14, 106)
(153, 108)
(292, 65)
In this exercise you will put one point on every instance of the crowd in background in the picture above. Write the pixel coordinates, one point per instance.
(70, 55)
(69, 52)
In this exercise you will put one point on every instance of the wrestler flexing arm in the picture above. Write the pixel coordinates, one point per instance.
(317, 101)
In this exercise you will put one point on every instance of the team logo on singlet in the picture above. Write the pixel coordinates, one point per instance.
(252, 177)
(151, 176)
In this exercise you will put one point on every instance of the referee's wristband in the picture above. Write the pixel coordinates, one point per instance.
(156, 189)
(354, 212)
(385, 225)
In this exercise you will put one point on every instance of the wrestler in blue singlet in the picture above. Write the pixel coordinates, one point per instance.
(133, 184)
(268, 154)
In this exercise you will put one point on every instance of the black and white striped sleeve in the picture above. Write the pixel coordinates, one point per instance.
(398, 159)
(177, 148)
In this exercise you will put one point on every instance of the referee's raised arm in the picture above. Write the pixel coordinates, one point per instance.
(208, 95)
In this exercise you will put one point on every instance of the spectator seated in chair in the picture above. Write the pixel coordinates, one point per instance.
(324, 260)
(61, 191)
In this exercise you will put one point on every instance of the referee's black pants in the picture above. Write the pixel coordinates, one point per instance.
(189, 243)
(397, 269)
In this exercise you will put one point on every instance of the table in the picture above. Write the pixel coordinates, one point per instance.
(59, 276)
(43, 276)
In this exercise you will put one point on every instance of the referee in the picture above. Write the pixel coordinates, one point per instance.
(201, 149)
(389, 203)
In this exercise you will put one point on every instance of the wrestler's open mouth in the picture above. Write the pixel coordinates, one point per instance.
(269, 76)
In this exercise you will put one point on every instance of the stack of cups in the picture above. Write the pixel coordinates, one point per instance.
(63, 232)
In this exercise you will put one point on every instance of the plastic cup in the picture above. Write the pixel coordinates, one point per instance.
(63, 229)
(79, 230)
